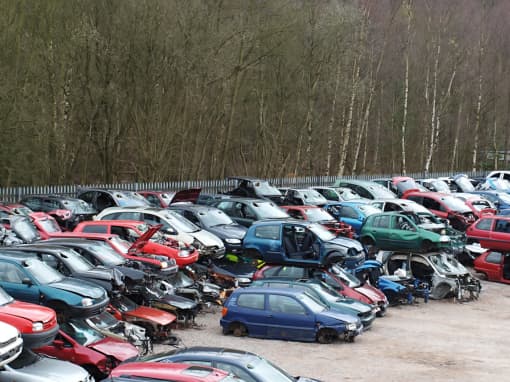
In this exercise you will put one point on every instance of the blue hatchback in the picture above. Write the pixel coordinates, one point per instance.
(353, 213)
(287, 314)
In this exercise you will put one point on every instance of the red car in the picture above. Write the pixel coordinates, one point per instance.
(343, 282)
(132, 230)
(492, 232)
(174, 372)
(318, 215)
(164, 198)
(83, 345)
(157, 323)
(478, 204)
(37, 324)
(445, 206)
(495, 266)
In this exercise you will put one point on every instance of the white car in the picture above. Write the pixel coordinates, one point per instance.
(31, 367)
(11, 343)
(174, 225)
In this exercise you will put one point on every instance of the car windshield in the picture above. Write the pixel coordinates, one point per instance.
(180, 222)
(77, 262)
(455, 204)
(268, 210)
(480, 204)
(368, 209)
(78, 206)
(440, 185)
(266, 371)
(347, 193)
(43, 273)
(317, 215)
(313, 197)
(351, 280)
(444, 264)
(49, 225)
(24, 228)
(78, 329)
(5, 298)
(426, 218)
(103, 320)
(409, 184)
(464, 184)
(124, 304)
(105, 254)
(321, 231)
(312, 303)
(211, 218)
(380, 192)
(264, 188)
(326, 291)
(22, 210)
(121, 244)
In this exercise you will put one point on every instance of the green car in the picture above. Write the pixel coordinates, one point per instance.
(394, 231)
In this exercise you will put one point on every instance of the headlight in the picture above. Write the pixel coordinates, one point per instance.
(37, 326)
(351, 326)
(233, 241)
(86, 302)
(243, 280)
(444, 239)
(183, 253)
(163, 264)
(197, 244)
(443, 232)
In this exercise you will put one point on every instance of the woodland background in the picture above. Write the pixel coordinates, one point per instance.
(148, 90)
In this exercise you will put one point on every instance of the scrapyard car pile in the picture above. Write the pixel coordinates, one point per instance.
(113, 272)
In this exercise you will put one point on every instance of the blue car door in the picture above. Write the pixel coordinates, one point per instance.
(290, 319)
(250, 310)
(351, 216)
(11, 279)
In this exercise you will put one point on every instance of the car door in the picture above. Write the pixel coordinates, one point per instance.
(500, 235)
(290, 319)
(251, 310)
(351, 216)
(403, 233)
(492, 266)
(11, 279)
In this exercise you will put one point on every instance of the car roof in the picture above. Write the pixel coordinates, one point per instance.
(280, 221)
(234, 198)
(282, 291)
(192, 207)
(126, 223)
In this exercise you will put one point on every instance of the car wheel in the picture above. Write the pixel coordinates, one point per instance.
(239, 330)
(326, 336)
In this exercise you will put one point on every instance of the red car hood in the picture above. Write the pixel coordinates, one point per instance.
(370, 292)
(120, 350)
(159, 316)
(140, 242)
(29, 311)
(190, 195)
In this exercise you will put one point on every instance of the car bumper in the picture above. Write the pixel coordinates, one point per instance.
(214, 252)
(11, 350)
(36, 340)
(87, 311)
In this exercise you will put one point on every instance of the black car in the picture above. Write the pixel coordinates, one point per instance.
(245, 211)
(72, 264)
(255, 188)
(101, 199)
(215, 221)
(245, 365)
(67, 211)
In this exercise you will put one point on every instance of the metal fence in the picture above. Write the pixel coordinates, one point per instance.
(13, 194)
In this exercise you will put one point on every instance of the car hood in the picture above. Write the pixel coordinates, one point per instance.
(339, 316)
(347, 243)
(208, 239)
(131, 273)
(54, 370)
(371, 293)
(81, 287)
(28, 311)
(228, 231)
(140, 242)
(120, 350)
(147, 313)
(355, 304)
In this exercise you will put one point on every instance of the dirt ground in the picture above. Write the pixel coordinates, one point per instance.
(438, 341)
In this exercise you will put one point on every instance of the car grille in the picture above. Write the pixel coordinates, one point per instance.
(6, 343)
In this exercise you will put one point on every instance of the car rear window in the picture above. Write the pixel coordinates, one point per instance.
(268, 232)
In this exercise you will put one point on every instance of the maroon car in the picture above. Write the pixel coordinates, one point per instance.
(85, 346)
(494, 266)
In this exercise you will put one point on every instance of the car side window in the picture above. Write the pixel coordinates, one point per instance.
(152, 199)
(95, 229)
(10, 273)
(236, 370)
(291, 272)
(285, 304)
(225, 206)
(502, 226)
(348, 212)
(494, 258)
(382, 221)
(271, 232)
(330, 195)
(87, 196)
(484, 224)
(295, 214)
(417, 199)
(431, 204)
(251, 300)
(33, 203)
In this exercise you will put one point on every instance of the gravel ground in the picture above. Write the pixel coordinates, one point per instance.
(439, 341)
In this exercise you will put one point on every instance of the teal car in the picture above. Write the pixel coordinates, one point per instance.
(31, 280)
(395, 231)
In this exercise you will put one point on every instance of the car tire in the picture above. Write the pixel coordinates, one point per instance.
(239, 330)
(326, 336)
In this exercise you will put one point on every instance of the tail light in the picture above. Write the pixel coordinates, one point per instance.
(224, 311)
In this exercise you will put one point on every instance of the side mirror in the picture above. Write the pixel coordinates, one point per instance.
(58, 344)
(26, 281)
(170, 231)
